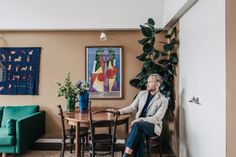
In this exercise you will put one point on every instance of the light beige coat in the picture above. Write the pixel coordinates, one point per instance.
(155, 111)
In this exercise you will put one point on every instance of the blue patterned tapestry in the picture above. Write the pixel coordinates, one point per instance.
(19, 71)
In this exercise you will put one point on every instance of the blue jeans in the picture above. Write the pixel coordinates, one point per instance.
(136, 138)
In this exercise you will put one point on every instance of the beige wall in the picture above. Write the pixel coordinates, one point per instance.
(231, 77)
(65, 51)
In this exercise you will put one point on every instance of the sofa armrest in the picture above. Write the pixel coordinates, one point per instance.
(28, 130)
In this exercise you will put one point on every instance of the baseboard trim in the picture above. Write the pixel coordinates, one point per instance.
(57, 140)
(48, 140)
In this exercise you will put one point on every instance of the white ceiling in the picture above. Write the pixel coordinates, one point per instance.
(82, 14)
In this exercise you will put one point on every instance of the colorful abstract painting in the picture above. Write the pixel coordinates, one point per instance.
(104, 71)
(19, 71)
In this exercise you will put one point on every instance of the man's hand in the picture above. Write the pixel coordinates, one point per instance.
(117, 113)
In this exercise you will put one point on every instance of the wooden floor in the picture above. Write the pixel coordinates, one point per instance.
(41, 153)
(53, 150)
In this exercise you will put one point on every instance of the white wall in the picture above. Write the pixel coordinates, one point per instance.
(78, 14)
(88, 14)
(203, 75)
(171, 8)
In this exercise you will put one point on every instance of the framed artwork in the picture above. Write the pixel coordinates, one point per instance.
(104, 71)
(19, 70)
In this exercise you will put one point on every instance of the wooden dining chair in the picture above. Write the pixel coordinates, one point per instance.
(153, 142)
(102, 143)
(70, 135)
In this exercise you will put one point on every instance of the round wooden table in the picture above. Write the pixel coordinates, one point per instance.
(79, 119)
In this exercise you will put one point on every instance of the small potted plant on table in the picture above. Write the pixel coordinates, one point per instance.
(69, 90)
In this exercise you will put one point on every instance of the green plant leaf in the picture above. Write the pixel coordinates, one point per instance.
(148, 48)
(153, 41)
(157, 54)
(142, 57)
(162, 86)
(170, 69)
(141, 75)
(147, 31)
(167, 93)
(148, 64)
(151, 21)
(151, 26)
(134, 82)
(174, 31)
(144, 40)
(175, 70)
(173, 58)
(158, 69)
(163, 62)
(150, 71)
(168, 47)
(166, 79)
(173, 42)
(143, 69)
(143, 82)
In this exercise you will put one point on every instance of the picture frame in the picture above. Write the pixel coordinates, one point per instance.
(104, 71)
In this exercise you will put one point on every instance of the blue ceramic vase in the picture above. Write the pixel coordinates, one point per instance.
(83, 101)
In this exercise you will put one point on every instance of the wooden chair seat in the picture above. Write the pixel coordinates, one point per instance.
(153, 142)
(103, 138)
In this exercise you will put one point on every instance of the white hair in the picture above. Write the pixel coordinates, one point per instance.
(157, 77)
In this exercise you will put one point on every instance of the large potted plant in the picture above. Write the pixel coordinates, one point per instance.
(162, 61)
(69, 90)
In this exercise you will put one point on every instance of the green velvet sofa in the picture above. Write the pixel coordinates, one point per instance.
(20, 127)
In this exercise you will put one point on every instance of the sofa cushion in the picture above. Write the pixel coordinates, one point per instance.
(17, 112)
(11, 127)
(6, 139)
(1, 112)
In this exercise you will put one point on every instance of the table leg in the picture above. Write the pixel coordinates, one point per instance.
(126, 129)
(77, 144)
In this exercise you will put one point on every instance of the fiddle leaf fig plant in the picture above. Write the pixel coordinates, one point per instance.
(163, 62)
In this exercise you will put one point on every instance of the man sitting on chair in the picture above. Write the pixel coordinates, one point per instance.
(150, 107)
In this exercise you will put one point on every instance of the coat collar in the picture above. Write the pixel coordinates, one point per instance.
(153, 99)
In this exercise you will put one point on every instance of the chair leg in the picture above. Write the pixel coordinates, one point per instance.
(112, 151)
(86, 141)
(83, 139)
(148, 148)
(62, 150)
(160, 149)
(93, 152)
(71, 145)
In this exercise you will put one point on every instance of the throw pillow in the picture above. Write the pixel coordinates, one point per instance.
(11, 127)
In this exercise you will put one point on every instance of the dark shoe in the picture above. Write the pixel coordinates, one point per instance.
(126, 155)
